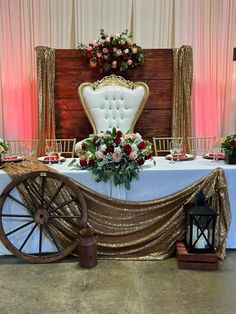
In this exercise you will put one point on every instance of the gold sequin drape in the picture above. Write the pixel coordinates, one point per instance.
(144, 230)
(182, 89)
(46, 108)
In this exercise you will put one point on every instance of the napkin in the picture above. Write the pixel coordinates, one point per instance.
(9, 157)
(52, 158)
(180, 156)
(218, 155)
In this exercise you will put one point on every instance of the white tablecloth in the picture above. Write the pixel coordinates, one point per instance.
(155, 182)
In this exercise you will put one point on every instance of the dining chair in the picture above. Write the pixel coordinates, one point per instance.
(68, 145)
(113, 102)
(24, 148)
(200, 145)
(161, 145)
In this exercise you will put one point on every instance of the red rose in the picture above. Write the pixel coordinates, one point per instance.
(127, 149)
(109, 149)
(140, 161)
(141, 145)
(91, 163)
(233, 143)
(125, 57)
(110, 50)
(126, 44)
(119, 133)
(89, 55)
(117, 140)
(83, 162)
(118, 46)
(148, 156)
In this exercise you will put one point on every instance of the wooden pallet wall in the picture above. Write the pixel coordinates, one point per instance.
(71, 70)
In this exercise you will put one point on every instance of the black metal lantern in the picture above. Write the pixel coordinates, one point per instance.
(200, 228)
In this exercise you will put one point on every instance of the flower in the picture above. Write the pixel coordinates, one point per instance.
(112, 52)
(3, 146)
(228, 143)
(109, 158)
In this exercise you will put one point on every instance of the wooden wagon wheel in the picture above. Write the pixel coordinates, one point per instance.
(38, 207)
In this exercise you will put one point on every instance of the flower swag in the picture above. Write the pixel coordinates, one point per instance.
(113, 154)
(229, 143)
(3, 146)
(117, 51)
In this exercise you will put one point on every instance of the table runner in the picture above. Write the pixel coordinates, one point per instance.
(145, 230)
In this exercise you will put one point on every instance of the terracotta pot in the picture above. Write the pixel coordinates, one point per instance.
(230, 158)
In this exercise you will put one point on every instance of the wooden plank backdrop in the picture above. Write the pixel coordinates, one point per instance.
(71, 70)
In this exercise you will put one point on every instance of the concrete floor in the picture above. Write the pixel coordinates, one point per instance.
(124, 287)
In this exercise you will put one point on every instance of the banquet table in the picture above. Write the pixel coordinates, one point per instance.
(155, 181)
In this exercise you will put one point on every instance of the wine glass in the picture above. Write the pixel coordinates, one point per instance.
(172, 150)
(215, 150)
(49, 150)
(178, 149)
(59, 150)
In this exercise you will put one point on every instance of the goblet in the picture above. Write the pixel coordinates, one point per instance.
(49, 150)
(59, 150)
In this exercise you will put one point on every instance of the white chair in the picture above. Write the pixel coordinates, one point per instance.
(161, 145)
(200, 145)
(26, 148)
(68, 145)
(113, 102)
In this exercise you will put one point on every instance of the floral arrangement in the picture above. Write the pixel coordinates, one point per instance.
(113, 155)
(3, 146)
(229, 143)
(112, 52)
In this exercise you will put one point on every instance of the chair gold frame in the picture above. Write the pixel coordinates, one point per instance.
(161, 145)
(68, 145)
(105, 84)
(200, 145)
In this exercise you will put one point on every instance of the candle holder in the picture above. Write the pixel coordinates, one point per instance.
(200, 226)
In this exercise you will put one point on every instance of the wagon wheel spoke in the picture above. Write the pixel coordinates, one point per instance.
(28, 236)
(40, 239)
(32, 197)
(57, 193)
(63, 204)
(15, 215)
(19, 202)
(19, 228)
(52, 237)
(65, 216)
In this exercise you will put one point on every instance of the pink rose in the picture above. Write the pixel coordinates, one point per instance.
(105, 50)
(99, 55)
(129, 62)
(89, 48)
(133, 155)
(114, 65)
(134, 50)
(99, 154)
(116, 157)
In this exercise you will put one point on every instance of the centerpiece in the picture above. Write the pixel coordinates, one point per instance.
(113, 154)
(229, 146)
(116, 51)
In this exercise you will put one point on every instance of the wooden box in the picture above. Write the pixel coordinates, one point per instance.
(195, 261)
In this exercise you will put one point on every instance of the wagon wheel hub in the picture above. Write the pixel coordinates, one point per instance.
(41, 216)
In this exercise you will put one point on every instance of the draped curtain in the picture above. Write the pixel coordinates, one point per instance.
(208, 26)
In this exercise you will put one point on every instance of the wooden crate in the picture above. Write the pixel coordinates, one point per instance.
(195, 261)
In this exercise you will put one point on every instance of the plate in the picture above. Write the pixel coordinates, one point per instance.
(54, 159)
(181, 157)
(212, 156)
(11, 159)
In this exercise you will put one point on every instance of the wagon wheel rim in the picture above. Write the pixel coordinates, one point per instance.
(41, 216)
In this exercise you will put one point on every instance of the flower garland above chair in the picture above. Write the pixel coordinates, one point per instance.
(112, 52)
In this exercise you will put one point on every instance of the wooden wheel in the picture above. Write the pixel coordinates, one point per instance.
(41, 214)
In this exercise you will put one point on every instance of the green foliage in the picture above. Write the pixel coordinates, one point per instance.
(229, 143)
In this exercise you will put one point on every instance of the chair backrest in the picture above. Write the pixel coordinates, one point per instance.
(24, 148)
(68, 145)
(113, 102)
(200, 145)
(161, 145)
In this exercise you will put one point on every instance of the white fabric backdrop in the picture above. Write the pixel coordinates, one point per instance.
(209, 26)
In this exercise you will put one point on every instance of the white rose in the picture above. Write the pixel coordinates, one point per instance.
(126, 51)
(118, 52)
(1, 140)
(117, 150)
(134, 147)
(103, 147)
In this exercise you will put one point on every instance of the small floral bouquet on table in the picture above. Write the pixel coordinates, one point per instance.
(3, 146)
(113, 155)
(228, 143)
(112, 52)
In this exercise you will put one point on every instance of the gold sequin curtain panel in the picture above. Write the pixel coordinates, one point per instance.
(141, 230)
(46, 108)
(182, 89)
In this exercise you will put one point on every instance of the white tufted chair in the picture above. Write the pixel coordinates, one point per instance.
(113, 102)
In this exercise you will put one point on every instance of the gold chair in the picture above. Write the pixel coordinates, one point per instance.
(26, 148)
(68, 145)
(161, 145)
(200, 145)
(113, 102)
